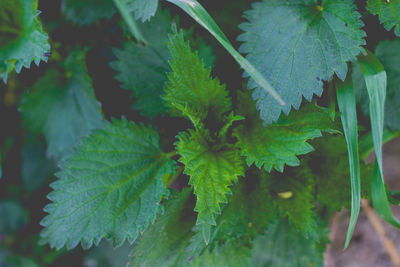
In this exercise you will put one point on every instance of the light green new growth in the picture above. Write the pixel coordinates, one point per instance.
(212, 169)
(297, 45)
(191, 92)
(388, 12)
(22, 39)
(278, 144)
(111, 187)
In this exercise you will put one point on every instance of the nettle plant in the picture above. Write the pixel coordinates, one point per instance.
(239, 184)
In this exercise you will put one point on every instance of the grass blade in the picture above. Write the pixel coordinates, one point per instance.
(375, 79)
(366, 143)
(199, 14)
(347, 106)
(126, 15)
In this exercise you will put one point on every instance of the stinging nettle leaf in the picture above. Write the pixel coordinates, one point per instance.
(212, 169)
(191, 92)
(142, 9)
(164, 242)
(22, 39)
(111, 187)
(297, 45)
(280, 143)
(388, 12)
(62, 106)
(201, 16)
(143, 69)
(282, 246)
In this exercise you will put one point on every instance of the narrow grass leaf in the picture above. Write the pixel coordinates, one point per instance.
(347, 106)
(129, 20)
(366, 143)
(376, 82)
(198, 13)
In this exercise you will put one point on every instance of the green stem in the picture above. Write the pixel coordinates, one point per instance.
(172, 154)
(126, 15)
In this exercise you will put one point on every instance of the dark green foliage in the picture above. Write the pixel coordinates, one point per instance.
(117, 171)
(22, 39)
(278, 144)
(388, 12)
(298, 44)
(62, 106)
(206, 175)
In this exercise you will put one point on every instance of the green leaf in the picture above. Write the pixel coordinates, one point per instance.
(12, 216)
(279, 144)
(36, 169)
(228, 255)
(375, 80)
(110, 187)
(294, 197)
(105, 255)
(347, 106)
(130, 22)
(86, 12)
(198, 13)
(282, 246)
(212, 169)
(164, 242)
(191, 92)
(329, 166)
(63, 106)
(248, 212)
(388, 12)
(298, 44)
(388, 53)
(22, 39)
(143, 69)
(142, 9)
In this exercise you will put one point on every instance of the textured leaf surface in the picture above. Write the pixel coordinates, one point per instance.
(223, 256)
(298, 44)
(199, 14)
(142, 9)
(278, 144)
(330, 168)
(282, 246)
(388, 12)
(63, 108)
(22, 39)
(388, 53)
(143, 69)
(111, 187)
(85, 12)
(294, 197)
(211, 169)
(248, 212)
(164, 242)
(191, 92)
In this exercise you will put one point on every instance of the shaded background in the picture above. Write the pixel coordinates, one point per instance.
(366, 248)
